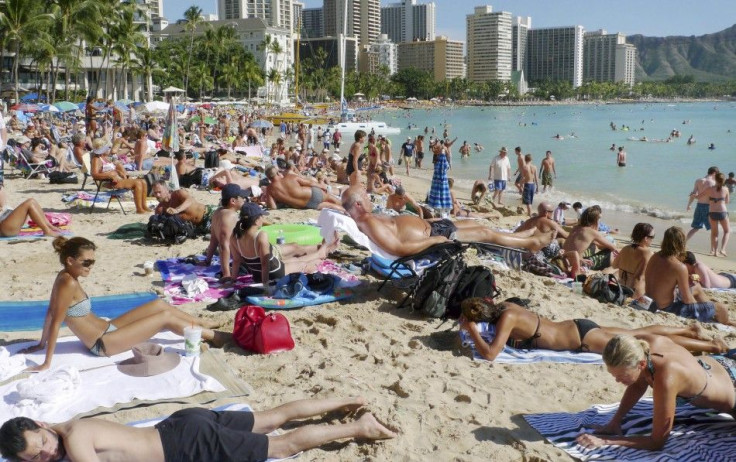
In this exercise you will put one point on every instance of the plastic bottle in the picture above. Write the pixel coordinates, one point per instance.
(281, 239)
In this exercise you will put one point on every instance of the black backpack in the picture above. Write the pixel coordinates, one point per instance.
(475, 281)
(169, 229)
(606, 289)
(63, 178)
(432, 291)
(211, 159)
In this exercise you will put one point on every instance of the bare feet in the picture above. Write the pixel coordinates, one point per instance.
(53, 232)
(696, 331)
(723, 253)
(220, 338)
(372, 429)
(720, 344)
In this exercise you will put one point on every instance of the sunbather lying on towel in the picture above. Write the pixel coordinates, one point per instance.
(675, 376)
(294, 191)
(69, 303)
(267, 262)
(407, 235)
(12, 220)
(188, 435)
(518, 327)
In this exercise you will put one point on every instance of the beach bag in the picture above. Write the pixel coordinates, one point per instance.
(432, 291)
(169, 229)
(263, 333)
(63, 178)
(606, 289)
(211, 159)
(150, 178)
(475, 281)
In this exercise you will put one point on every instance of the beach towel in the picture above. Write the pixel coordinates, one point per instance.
(174, 270)
(382, 266)
(100, 383)
(129, 231)
(439, 191)
(514, 258)
(697, 435)
(330, 221)
(20, 316)
(31, 231)
(513, 356)
(227, 407)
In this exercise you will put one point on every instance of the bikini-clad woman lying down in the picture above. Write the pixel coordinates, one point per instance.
(520, 328)
(70, 303)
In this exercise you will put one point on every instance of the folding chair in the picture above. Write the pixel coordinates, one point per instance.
(437, 252)
(34, 168)
(114, 193)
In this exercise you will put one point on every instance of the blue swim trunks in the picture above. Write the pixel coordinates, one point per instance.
(703, 312)
(527, 198)
(499, 185)
(700, 217)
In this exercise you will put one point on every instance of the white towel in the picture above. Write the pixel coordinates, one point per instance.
(49, 387)
(10, 365)
(331, 221)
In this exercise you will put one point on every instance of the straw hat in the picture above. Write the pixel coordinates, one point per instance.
(100, 146)
(148, 359)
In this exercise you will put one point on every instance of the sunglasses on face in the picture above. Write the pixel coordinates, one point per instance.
(87, 263)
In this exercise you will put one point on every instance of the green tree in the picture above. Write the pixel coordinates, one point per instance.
(193, 16)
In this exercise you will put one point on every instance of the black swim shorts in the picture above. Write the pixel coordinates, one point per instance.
(443, 227)
(197, 435)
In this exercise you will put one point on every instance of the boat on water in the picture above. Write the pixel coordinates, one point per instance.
(377, 127)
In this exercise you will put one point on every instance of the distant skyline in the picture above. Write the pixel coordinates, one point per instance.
(657, 18)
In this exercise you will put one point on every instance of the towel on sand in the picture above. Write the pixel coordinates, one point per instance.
(697, 435)
(101, 384)
(174, 270)
(513, 356)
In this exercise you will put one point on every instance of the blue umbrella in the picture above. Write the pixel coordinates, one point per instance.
(261, 124)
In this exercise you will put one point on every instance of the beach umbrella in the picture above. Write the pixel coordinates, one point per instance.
(260, 123)
(47, 108)
(66, 106)
(170, 141)
(172, 90)
(29, 97)
(121, 106)
(125, 101)
(157, 106)
(23, 107)
(207, 120)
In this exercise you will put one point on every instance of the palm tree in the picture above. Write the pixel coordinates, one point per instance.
(230, 76)
(252, 74)
(146, 65)
(265, 47)
(20, 20)
(275, 77)
(126, 39)
(277, 50)
(193, 16)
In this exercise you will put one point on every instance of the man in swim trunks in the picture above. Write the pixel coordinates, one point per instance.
(407, 235)
(531, 183)
(297, 192)
(621, 157)
(188, 435)
(499, 172)
(668, 283)
(700, 192)
(400, 199)
(182, 203)
(548, 169)
(585, 236)
(223, 222)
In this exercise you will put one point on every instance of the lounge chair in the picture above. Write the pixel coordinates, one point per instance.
(33, 168)
(114, 193)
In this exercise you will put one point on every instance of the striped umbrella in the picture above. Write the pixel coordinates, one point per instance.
(170, 141)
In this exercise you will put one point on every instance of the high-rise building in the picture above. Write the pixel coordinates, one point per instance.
(555, 54)
(608, 58)
(489, 44)
(519, 32)
(382, 53)
(276, 13)
(297, 11)
(406, 21)
(313, 24)
(440, 57)
(364, 19)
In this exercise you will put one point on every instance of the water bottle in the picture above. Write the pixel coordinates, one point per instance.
(281, 239)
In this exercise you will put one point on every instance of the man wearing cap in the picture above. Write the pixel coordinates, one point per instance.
(181, 203)
(407, 235)
(223, 222)
(189, 435)
(295, 191)
(499, 172)
(407, 152)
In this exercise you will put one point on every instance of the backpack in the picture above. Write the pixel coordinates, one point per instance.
(475, 281)
(606, 289)
(63, 178)
(211, 159)
(432, 291)
(169, 229)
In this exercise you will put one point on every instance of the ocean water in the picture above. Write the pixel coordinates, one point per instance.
(658, 176)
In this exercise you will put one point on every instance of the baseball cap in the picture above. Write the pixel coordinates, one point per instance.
(408, 138)
(232, 190)
(251, 210)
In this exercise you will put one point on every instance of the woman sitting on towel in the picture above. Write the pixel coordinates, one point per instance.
(70, 303)
(12, 220)
(270, 262)
(632, 260)
(105, 169)
(676, 377)
(520, 328)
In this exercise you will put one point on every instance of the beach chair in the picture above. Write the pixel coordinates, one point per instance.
(33, 168)
(114, 193)
(405, 268)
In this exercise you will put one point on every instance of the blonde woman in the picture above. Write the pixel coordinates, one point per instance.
(674, 375)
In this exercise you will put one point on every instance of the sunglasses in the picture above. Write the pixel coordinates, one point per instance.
(87, 263)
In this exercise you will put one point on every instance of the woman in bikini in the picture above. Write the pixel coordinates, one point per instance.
(69, 303)
(105, 169)
(675, 376)
(632, 260)
(267, 262)
(520, 328)
(718, 214)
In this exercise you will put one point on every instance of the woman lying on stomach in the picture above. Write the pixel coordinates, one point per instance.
(674, 375)
(70, 303)
(520, 328)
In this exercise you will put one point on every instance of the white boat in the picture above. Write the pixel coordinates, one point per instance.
(380, 128)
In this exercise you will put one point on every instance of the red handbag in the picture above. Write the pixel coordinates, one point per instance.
(260, 332)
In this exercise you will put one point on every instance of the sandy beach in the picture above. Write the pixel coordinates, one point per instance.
(414, 373)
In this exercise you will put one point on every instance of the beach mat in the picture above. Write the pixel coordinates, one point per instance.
(271, 303)
(513, 356)
(21, 316)
(697, 434)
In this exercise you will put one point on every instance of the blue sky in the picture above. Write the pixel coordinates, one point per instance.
(648, 17)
